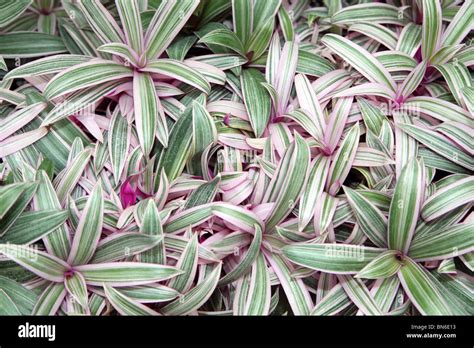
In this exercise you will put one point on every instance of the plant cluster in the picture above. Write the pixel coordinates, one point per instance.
(236, 157)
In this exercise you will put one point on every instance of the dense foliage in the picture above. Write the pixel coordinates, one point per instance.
(236, 157)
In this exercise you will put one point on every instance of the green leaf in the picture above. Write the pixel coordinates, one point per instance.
(406, 205)
(242, 288)
(57, 242)
(11, 96)
(188, 262)
(324, 212)
(125, 273)
(459, 134)
(189, 217)
(121, 50)
(151, 225)
(458, 77)
(331, 258)
(273, 60)
(468, 260)
(125, 305)
(342, 159)
(285, 75)
(75, 40)
(213, 11)
(286, 24)
(224, 38)
(420, 287)
(76, 287)
(204, 194)
(460, 25)
(165, 25)
(34, 225)
(242, 16)
(180, 47)
(264, 10)
(149, 120)
(359, 294)
(85, 75)
(371, 220)
(130, 17)
(407, 147)
(439, 144)
(119, 143)
(18, 142)
(314, 188)
(413, 80)
(241, 218)
(48, 65)
(295, 290)
(310, 103)
(447, 266)
(360, 59)
(47, 22)
(368, 157)
(7, 306)
(223, 61)
(445, 54)
(79, 101)
(377, 32)
(385, 292)
(449, 242)
(457, 290)
(48, 166)
(204, 132)
(195, 297)
(312, 64)
(437, 108)
(305, 120)
(89, 229)
(432, 159)
(333, 302)
(383, 266)
(178, 243)
(432, 22)
(374, 89)
(174, 157)
(42, 264)
(9, 194)
(30, 44)
(256, 98)
(259, 40)
(11, 10)
(336, 124)
(368, 12)
(121, 245)
(50, 299)
(288, 181)
(180, 71)
(454, 195)
(23, 298)
(20, 204)
(149, 293)
(101, 21)
(247, 260)
(259, 295)
(410, 39)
